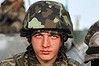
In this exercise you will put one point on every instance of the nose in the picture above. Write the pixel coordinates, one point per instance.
(45, 42)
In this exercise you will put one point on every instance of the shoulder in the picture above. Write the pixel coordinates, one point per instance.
(13, 61)
(8, 62)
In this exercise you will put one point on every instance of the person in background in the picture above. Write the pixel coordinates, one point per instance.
(47, 25)
(76, 51)
(92, 40)
(12, 13)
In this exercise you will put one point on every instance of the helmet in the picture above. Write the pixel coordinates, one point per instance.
(92, 30)
(92, 40)
(47, 15)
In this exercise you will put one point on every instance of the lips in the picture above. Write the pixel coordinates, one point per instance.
(45, 52)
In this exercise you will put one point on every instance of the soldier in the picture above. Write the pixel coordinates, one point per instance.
(12, 13)
(47, 25)
(92, 40)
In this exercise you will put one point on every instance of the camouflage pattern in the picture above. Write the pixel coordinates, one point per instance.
(22, 60)
(92, 40)
(91, 57)
(44, 15)
(16, 17)
(47, 15)
(93, 29)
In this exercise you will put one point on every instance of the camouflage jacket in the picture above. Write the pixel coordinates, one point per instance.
(22, 60)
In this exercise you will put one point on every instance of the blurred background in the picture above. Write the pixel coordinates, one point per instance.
(83, 14)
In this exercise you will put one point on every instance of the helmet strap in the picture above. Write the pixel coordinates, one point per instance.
(93, 50)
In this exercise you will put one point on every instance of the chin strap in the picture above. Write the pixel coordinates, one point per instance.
(93, 50)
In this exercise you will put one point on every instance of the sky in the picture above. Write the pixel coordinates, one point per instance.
(87, 10)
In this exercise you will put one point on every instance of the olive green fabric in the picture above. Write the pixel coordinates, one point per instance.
(91, 40)
(93, 29)
(22, 60)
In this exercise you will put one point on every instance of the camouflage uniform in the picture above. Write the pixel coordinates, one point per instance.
(45, 16)
(14, 17)
(21, 60)
(92, 40)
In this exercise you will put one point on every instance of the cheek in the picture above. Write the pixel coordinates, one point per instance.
(56, 44)
(35, 43)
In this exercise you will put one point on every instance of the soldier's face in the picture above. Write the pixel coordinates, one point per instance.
(46, 46)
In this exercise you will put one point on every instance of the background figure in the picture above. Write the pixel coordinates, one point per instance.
(12, 13)
(76, 51)
(92, 40)
(47, 25)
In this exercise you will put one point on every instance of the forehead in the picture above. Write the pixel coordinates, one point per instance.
(95, 38)
(46, 30)
(45, 33)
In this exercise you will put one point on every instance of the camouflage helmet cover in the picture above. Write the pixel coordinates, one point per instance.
(92, 40)
(92, 30)
(47, 15)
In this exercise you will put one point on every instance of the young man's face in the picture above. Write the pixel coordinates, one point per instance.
(46, 46)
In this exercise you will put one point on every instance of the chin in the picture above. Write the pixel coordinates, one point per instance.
(46, 57)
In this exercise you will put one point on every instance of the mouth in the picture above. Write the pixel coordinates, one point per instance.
(45, 52)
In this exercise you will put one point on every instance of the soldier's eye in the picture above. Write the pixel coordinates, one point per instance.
(53, 36)
(38, 35)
